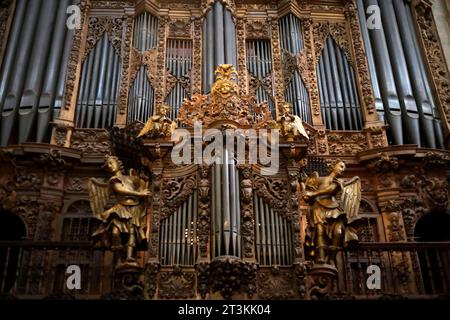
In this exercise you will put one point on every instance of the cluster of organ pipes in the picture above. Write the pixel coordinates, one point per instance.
(218, 43)
(273, 235)
(259, 65)
(338, 91)
(291, 39)
(34, 70)
(225, 209)
(179, 64)
(400, 82)
(141, 96)
(99, 87)
(178, 236)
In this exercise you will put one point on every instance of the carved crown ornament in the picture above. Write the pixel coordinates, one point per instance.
(225, 103)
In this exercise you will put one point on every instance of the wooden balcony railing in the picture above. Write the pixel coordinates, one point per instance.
(410, 269)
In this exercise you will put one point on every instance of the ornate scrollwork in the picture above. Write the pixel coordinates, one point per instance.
(435, 56)
(177, 284)
(180, 28)
(273, 191)
(257, 29)
(91, 141)
(175, 192)
(337, 30)
(98, 26)
(203, 223)
(346, 143)
(276, 284)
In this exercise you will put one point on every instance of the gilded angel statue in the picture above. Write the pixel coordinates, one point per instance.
(159, 124)
(289, 124)
(332, 221)
(123, 226)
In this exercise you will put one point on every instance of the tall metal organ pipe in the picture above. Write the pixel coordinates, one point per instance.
(219, 38)
(34, 70)
(398, 75)
(99, 87)
(339, 100)
(141, 95)
(291, 38)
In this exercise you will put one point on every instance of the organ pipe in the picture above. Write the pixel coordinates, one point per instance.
(225, 208)
(179, 64)
(259, 64)
(145, 32)
(98, 90)
(219, 37)
(339, 100)
(273, 235)
(178, 243)
(34, 70)
(398, 70)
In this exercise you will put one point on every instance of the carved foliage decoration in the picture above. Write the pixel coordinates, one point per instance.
(275, 284)
(346, 143)
(125, 77)
(273, 191)
(337, 30)
(309, 66)
(91, 141)
(180, 28)
(160, 61)
(97, 26)
(151, 279)
(149, 60)
(5, 16)
(277, 63)
(294, 176)
(175, 192)
(157, 205)
(257, 29)
(434, 54)
(177, 284)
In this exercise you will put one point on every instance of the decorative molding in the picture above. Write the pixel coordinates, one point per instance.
(176, 284)
(435, 57)
(91, 141)
(204, 212)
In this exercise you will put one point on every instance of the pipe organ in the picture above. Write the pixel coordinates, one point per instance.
(142, 94)
(401, 85)
(33, 71)
(292, 42)
(379, 98)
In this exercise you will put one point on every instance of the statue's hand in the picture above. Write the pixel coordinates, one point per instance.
(146, 193)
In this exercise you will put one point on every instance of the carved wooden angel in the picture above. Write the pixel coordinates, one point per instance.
(333, 221)
(290, 125)
(159, 125)
(123, 225)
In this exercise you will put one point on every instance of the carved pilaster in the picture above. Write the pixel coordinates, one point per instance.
(277, 63)
(74, 65)
(203, 218)
(247, 214)
(241, 55)
(434, 55)
(125, 75)
(197, 57)
(160, 90)
(361, 65)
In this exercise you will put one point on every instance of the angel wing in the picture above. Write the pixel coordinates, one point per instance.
(298, 125)
(312, 182)
(351, 198)
(147, 128)
(98, 194)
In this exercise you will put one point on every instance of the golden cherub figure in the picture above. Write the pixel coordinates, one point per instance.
(159, 124)
(290, 125)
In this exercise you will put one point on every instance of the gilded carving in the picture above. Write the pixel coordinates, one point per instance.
(91, 141)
